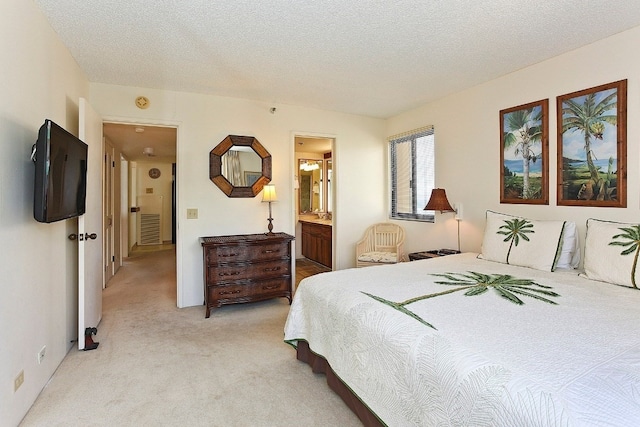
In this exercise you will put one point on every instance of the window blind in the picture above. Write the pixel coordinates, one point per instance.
(412, 173)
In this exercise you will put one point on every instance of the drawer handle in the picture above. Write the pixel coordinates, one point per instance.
(270, 251)
(272, 269)
(226, 255)
(229, 292)
(269, 287)
(235, 273)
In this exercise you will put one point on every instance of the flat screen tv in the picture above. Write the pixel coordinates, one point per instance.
(61, 174)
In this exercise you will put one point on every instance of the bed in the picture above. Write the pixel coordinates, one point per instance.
(470, 341)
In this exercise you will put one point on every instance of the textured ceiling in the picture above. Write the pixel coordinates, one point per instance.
(305, 144)
(375, 58)
(133, 139)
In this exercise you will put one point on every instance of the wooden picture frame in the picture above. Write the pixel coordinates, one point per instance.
(251, 177)
(592, 146)
(524, 158)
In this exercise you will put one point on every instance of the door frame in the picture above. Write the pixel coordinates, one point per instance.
(165, 123)
(110, 211)
(334, 190)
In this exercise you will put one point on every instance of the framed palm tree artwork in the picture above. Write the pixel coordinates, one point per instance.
(592, 146)
(524, 159)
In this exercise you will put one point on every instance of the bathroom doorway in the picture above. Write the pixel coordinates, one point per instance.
(314, 197)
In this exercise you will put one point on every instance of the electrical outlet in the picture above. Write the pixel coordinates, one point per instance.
(41, 354)
(18, 381)
(192, 213)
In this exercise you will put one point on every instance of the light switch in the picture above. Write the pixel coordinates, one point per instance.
(192, 213)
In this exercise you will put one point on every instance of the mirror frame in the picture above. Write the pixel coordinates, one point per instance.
(215, 166)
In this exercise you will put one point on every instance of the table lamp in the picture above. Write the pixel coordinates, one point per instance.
(439, 202)
(269, 195)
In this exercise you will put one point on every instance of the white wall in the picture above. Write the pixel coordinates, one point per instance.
(132, 195)
(203, 121)
(468, 139)
(38, 264)
(125, 209)
(160, 187)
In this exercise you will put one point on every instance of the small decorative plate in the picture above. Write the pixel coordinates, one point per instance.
(142, 102)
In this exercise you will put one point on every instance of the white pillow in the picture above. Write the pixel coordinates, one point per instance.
(570, 249)
(612, 263)
(537, 245)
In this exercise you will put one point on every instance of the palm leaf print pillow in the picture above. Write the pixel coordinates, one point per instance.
(520, 241)
(611, 252)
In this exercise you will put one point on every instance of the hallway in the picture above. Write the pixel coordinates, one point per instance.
(142, 249)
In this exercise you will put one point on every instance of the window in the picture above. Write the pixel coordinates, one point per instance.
(412, 174)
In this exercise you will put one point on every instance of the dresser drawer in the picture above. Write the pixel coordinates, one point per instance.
(226, 292)
(254, 253)
(274, 285)
(246, 291)
(256, 271)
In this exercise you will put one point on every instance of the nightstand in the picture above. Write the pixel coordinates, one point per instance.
(431, 254)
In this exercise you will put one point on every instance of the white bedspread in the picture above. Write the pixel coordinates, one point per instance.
(486, 361)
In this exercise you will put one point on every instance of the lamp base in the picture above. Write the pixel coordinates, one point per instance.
(270, 227)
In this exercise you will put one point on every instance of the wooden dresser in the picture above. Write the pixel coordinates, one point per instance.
(246, 268)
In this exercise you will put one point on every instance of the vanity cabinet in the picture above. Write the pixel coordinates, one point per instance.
(316, 242)
(245, 268)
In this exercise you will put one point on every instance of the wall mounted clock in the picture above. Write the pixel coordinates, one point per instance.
(154, 173)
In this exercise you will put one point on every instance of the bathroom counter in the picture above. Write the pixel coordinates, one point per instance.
(313, 219)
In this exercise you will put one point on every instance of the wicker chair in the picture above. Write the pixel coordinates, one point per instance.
(382, 244)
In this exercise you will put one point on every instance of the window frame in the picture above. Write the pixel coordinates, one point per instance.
(412, 137)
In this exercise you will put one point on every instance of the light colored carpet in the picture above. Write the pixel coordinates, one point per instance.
(160, 365)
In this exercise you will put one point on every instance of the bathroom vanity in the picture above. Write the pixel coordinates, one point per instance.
(316, 239)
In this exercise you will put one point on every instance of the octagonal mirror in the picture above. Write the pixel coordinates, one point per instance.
(240, 166)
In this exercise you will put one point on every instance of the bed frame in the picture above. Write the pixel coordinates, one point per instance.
(319, 365)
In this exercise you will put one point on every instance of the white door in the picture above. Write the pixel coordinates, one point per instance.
(109, 256)
(90, 227)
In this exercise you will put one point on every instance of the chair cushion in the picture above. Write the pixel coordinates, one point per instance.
(381, 257)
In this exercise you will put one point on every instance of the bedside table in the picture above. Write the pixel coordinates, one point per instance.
(431, 254)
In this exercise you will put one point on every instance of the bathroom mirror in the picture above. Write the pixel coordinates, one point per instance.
(310, 179)
(240, 166)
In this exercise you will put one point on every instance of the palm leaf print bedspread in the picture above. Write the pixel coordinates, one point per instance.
(460, 341)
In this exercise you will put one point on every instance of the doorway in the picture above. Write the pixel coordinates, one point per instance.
(314, 195)
(147, 156)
